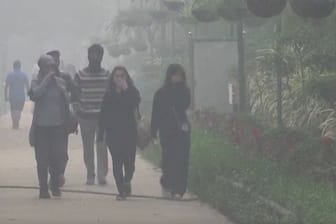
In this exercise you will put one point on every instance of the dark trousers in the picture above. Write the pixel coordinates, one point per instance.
(66, 157)
(123, 159)
(175, 163)
(65, 160)
(50, 151)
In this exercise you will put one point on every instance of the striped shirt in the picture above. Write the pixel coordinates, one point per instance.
(91, 90)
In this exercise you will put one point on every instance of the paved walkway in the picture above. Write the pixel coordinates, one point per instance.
(17, 167)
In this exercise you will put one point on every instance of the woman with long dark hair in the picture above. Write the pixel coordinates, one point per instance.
(117, 123)
(169, 119)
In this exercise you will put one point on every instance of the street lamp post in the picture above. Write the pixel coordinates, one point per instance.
(191, 65)
(241, 65)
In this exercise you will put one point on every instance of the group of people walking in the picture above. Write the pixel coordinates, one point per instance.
(105, 105)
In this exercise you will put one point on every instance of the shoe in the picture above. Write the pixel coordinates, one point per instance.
(61, 181)
(177, 197)
(128, 189)
(56, 192)
(44, 194)
(121, 197)
(90, 181)
(102, 182)
(166, 193)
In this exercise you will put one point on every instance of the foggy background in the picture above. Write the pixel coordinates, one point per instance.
(30, 28)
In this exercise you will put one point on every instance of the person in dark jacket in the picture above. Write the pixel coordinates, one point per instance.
(48, 135)
(117, 122)
(169, 119)
(71, 87)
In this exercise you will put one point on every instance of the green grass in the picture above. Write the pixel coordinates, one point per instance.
(213, 162)
(152, 154)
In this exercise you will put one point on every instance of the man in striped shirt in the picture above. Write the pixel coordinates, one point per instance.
(91, 83)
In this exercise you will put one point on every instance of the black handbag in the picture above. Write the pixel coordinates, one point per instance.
(71, 124)
(143, 133)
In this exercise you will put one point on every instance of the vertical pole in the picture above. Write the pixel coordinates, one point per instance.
(241, 66)
(279, 99)
(163, 42)
(192, 69)
(173, 41)
(3, 70)
(163, 38)
(279, 76)
(232, 31)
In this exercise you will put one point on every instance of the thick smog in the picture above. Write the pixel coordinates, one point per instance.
(168, 111)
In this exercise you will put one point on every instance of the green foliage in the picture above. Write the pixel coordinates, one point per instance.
(133, 18)
(323, 87)
(232, 181)
(185, 17)
(205, 4)
(213, 161)
(231, 9)
(205, 10)
(307, 52)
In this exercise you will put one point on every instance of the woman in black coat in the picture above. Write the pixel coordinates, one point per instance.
(169, 119)
(117, 123)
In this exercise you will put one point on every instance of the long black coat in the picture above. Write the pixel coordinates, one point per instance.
(169, 110)
(117, 119)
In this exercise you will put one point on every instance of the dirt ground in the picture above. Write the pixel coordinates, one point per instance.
(18, 168)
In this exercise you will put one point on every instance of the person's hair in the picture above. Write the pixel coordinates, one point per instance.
(172, 70)
(17, 64)
(44, 59)
(112, 85)
(96, 48)
(54, 53)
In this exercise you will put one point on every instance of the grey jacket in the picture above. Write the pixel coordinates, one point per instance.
(52, 96)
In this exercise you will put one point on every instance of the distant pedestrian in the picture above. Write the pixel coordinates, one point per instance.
(70, 69)
(117, 123)
(17, 85)
(169, 119)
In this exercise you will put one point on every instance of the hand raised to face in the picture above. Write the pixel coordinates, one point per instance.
(120, 80)
(124, 85)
